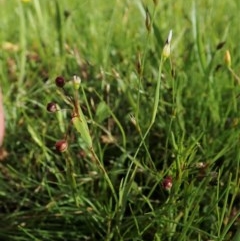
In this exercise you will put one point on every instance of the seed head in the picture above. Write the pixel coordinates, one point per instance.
(52, 107)
(133, 119)
(148, 21)
(60, 81)
(167, 183)
(138, 64)
(61, 145)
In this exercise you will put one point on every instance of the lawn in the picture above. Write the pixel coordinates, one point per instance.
(121, 120)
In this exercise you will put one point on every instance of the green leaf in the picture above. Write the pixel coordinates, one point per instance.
(80, 123)
(102, 112)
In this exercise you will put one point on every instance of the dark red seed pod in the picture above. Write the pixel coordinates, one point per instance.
(52, 107)
(167, 183)
(60, 81)
(61, 145)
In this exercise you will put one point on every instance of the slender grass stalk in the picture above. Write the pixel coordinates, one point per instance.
(149, 26)
(142, 64)
(155, 105)
(197, 38)
(235, 76)
(71, 177)
(225, 204)
(124, 139)
(23, 42)
(101, 167)
(237, 234)
(59, 27)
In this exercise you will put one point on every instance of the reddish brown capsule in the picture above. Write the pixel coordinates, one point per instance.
(167, 183)
(52, 107)
(61, 145)
(60, 81)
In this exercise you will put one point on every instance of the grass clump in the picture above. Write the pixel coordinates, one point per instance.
(144, 144)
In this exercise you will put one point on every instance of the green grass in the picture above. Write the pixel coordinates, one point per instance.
(149, 119)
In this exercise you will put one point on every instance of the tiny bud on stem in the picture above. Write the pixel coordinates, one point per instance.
(76, 82)
(227, 58)
(167, 47)
(52, 107)
(60, 82)
(61, 145)
(167, 183)
(148, 21)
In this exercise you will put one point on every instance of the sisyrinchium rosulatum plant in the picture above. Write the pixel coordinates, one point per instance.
(172, 177)
(171, 170)
(79, 122)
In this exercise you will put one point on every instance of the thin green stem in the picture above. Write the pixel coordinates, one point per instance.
(155, 106)
(101, 167)
(124, 139)
(128, 181)
(142, 68)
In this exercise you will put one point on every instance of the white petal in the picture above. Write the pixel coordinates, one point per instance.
(169, 37)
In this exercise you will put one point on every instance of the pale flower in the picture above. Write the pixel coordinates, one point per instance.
(167, 47)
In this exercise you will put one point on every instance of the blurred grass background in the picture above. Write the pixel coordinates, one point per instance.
(46, 195)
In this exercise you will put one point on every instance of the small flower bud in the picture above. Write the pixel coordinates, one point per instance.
(133, 119)
(61, 145)
(148, 21)
(138, 64)
(107, 88)
(76, 82)
(167, 183)
(227, 58)
(201, 165)
(52, 107)
(167, 47)
(60, 81)
(166, 51)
